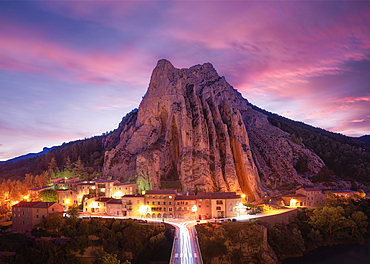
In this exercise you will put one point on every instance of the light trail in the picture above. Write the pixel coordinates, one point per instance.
(188, 252)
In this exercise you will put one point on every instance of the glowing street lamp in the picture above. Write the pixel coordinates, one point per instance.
(26, 197)
(144, 209)
(293, 202)
(194, 208)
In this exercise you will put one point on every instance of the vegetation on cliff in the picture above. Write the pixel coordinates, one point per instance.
(341, 221)
(348, 157)
(233, 242)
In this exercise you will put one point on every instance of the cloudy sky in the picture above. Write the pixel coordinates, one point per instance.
(70, 70)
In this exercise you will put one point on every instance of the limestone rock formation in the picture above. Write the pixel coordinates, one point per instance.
(194, 131)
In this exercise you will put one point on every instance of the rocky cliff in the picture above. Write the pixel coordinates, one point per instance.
(194, 131)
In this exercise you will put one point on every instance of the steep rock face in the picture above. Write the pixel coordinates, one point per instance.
(276, 155)
(192, 131)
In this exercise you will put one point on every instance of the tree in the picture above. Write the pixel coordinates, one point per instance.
(73, 212)
(109, 259)
(49, 196)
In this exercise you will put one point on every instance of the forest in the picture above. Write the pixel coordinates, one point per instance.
(71, 240)
(348, 158)
(341, 221)
(84, 157)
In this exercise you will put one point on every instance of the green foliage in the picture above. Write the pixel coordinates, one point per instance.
(343, 221)
(301, 166)
(233, 242)
(109, 259)
(145, 242)
(348, 157)
(286, 241)
(49, 195)
(82, 157)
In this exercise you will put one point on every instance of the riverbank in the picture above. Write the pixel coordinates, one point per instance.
(337, 254)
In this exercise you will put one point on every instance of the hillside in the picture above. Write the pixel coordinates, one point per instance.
(348, 157)
(365, 139)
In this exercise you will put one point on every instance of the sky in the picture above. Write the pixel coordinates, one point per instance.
(72, 69)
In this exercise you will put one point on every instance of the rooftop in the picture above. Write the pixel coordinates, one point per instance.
(34, 204)
(153, 192)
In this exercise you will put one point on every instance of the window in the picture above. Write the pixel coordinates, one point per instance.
(152, 203)
(186, 203)
(52, 209)
(178, 203)
(170, 209)
(170, 203)
(170, 197)
(159, 203)
(164, 203)
(164, 209)
(218, 208)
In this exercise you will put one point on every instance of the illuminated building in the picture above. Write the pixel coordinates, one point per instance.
(68, 198)
(184, 205)
(161, 203)
(25, 215)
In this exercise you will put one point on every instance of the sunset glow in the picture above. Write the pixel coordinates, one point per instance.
(70, 70)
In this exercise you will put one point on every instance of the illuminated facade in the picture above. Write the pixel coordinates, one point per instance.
(184, 206)
(313, 195)
(68, 198)
(161, 203)
(121, 189)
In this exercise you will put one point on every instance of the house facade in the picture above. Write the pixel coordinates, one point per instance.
(26, 215)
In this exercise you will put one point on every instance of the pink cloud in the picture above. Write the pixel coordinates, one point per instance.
(358, 121)
(41, 55)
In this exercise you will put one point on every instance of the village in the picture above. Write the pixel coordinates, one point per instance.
(107, 197)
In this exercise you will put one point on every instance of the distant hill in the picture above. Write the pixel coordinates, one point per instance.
(30, 155)
(365, 139)
(88, 154)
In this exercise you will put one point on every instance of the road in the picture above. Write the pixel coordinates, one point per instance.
(185, 250)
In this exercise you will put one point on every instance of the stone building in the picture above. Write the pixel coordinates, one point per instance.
(161, 203)
(28, 214)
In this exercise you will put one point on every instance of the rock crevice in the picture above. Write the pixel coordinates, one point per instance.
(194, 131)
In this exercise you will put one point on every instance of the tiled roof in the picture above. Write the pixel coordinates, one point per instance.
(154, 192)
(185, 197)
(294, 195)
(132, 195)
(221, 195)
(124, 183)
(104, 181)
(344, 191)
(86, 183)
(312, 189)
(35, 204)
(115, 201)
(103, 199)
